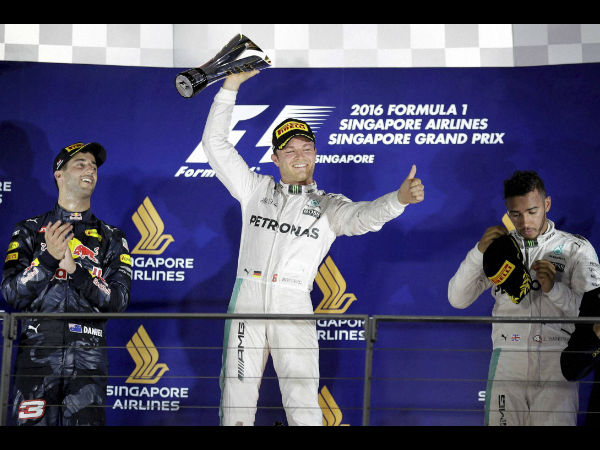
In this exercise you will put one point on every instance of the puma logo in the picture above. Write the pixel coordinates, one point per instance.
(34, 328)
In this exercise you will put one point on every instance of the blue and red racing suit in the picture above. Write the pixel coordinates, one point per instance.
(61, 366)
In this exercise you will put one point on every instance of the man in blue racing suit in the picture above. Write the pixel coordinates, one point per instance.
(288, 227)
(65, 261)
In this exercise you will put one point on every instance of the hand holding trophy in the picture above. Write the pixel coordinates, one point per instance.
(239, 55)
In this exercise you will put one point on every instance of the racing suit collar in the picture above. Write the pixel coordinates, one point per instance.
(69, 216)
(540, 240)
(296, 189)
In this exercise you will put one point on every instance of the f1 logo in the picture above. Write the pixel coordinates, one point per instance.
(240, 112)
(313, 115)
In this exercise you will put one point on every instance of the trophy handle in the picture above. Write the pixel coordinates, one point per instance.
(224, 63)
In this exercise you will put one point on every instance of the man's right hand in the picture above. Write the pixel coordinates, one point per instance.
(489, 236)
(57, 238)
(233, 82)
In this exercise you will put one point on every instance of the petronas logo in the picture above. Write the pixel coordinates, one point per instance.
(151, 228)
(332, 415)
(333, 286)
(145, 355)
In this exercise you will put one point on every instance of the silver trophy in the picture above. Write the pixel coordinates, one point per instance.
(239, 55)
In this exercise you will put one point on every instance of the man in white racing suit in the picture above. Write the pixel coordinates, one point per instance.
(525, 383)
(287, 229)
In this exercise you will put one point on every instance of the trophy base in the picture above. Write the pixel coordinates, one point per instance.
(187, 83)
(239, 55)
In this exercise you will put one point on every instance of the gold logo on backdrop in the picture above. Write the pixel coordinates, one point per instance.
(145, 355)
(332, 414)
(151, 228)
(333, 286)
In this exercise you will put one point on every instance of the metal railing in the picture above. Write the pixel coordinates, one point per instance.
(371, 324)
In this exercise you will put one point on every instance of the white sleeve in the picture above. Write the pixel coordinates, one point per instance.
(230, 168)
(353, 218)
(469, 281)
(585, 277)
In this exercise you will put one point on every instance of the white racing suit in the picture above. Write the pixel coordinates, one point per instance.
(286, 233)
(525, 382)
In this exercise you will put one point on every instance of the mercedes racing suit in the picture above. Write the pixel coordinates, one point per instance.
(62, 365)
(525, 383)
(286, 232)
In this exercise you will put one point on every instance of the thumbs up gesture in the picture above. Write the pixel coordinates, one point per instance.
(411, 190)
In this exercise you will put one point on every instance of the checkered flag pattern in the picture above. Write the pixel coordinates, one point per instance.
(306, 45)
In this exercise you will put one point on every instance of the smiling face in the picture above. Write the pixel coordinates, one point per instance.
(79, 176)
(528, 213)
(296, 161)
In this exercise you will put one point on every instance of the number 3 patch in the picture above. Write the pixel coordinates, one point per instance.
(32, 409)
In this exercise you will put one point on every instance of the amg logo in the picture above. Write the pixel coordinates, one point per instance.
(272, 224)
(502, 408)
(240, 351)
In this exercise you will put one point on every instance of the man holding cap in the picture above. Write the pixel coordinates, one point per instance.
(288, 227)
(65, 261)
(547, 279)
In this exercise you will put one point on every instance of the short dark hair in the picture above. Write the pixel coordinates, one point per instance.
(523, 182)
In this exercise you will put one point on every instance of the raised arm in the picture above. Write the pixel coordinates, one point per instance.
(230, 168)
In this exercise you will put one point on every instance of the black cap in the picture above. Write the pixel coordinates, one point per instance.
(288, 129)
(503, 265)
(68, 152)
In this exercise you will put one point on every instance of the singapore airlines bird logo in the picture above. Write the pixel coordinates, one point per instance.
(151, 228)
(332, 414)
(145, 355)
(333, 286)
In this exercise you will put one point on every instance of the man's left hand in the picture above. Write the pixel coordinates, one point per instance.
(411, 190)
(545, 271)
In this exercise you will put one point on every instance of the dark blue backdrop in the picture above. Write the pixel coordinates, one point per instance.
(542, 118)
